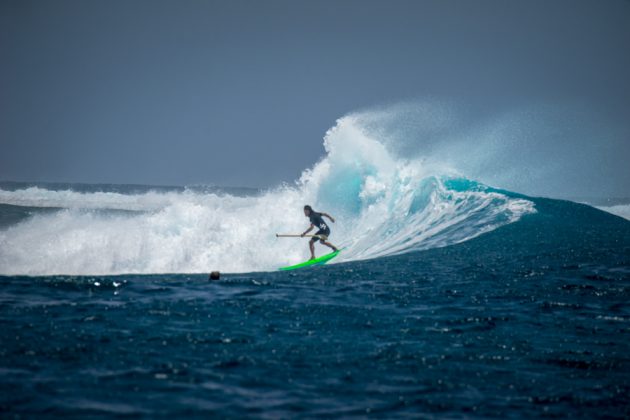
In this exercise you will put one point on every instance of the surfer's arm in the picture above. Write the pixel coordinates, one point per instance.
(308, 230)
(329, 216)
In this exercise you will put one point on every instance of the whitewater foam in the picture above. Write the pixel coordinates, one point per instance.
(384, 204)
(98, 200)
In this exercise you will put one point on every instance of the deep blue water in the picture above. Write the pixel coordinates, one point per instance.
(529, 320)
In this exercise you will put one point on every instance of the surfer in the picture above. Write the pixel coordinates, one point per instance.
(317, 220)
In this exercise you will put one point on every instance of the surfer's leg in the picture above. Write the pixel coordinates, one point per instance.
(329, 245)
(311, 245)
(323, 237)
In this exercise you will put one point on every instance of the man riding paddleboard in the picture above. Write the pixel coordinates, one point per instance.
(317, 220)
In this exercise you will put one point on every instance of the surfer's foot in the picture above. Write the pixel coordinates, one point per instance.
(334, 249)
(312, 258)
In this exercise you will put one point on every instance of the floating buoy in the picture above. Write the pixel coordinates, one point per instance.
(215, 275)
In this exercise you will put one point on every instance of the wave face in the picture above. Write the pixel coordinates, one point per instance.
(384, 204)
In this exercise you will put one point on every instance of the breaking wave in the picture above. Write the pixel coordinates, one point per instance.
(384, 204)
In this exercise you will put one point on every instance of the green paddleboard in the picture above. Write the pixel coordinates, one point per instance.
(317, 261)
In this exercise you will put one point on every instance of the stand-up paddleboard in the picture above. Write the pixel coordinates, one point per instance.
(317, 261)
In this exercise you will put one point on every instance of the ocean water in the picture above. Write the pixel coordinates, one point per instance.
(454, 299)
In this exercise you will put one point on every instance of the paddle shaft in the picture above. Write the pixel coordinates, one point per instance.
(290, 235)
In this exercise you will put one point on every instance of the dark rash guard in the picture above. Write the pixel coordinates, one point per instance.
(318, 222)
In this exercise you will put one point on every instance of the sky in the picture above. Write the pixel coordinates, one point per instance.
(241, 93)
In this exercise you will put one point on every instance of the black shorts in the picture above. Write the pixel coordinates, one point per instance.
(322, 235)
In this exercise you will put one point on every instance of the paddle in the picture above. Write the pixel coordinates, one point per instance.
(292, 235)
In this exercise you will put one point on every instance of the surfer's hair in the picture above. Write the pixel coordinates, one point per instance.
(309, 208)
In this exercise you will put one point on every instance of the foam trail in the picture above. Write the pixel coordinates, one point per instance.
(384, 205)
